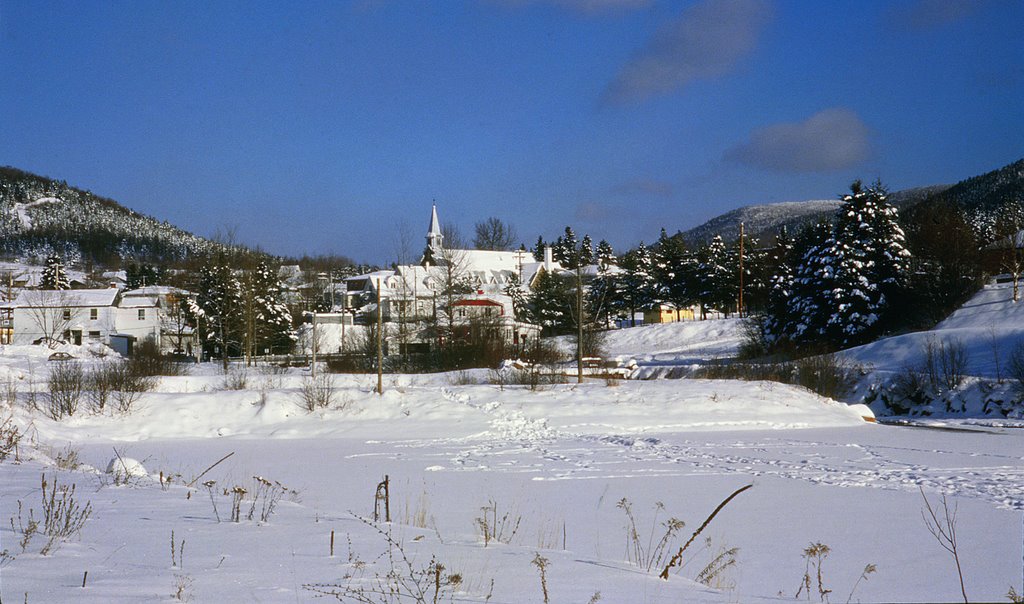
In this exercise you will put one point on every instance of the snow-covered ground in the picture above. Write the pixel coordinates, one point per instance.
(990, 325)
(557, 461)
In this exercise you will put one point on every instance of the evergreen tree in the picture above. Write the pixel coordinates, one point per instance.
(602, 295)
(871, 264)
(567, 249)
(719, 282)
(780, 288)
(273, 325)
(538, 249)
(848, 281)
(520, 297)
(137, 276)
(605, 254)
(551, 303)
(674, 271)
(53, 276)
(220, 302)
(586, 252)
(637, 286)
(813, 280)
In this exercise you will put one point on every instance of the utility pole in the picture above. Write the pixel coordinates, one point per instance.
(313, 364)
(579, 321)
(380, 343)
(740, 309)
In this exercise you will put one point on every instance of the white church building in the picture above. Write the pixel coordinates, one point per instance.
(417, 292)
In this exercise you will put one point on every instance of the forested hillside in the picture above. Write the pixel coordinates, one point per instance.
(40, 217)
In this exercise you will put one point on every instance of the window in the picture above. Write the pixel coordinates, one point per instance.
(94, 313)
(142, 314)
(94, 335)
(66, 314)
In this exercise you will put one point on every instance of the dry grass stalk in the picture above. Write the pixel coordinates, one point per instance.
(814, 555)
(678, 557)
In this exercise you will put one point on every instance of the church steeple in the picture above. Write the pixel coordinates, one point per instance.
(435, 239)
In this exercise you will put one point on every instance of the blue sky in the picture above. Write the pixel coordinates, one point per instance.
(315, 128)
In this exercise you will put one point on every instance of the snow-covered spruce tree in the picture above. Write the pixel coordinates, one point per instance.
(567, 249)
(273, 326)
(847, 282)
(551, 303)
(803, 320)
(674, 270)
(538, 249)
(53, 276)
(775, 319)
(605, 254)
(221, 304)
(601, 297)
(719, 278)
(586, 251)
(520, 297)
(637, 283)
(871, 264)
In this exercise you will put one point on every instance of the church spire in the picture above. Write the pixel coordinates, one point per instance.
(435, 239)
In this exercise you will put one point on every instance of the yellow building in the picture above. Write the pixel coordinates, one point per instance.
(666, 313)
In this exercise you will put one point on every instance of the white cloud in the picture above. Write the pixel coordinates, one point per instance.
(706, 41)
(829, 140)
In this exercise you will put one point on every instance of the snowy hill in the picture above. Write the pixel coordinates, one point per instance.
(40, 216)
(765, 220)
(976, 342)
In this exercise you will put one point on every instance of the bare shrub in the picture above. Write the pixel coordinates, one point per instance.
(63, 515)
(945, 363)
(67, 458)
(100, 384)
(944, 531)
(10, 390)
(1016, 366)
(147, 360)
(400, 581)
(236, 379)
(67, 381)
(116, 382)
(318, 392)
(10, 436)
(463, 378)
(830, 375)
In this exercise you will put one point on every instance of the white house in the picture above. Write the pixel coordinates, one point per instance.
(176, 335)
(78, 316)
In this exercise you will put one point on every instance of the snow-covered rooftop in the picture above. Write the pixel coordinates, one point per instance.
(41, 298)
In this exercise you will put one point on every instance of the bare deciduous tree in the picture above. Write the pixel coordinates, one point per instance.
(494, 234)
(52, 312)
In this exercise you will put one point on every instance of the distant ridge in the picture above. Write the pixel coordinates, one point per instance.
(765, 220)
(977, 195)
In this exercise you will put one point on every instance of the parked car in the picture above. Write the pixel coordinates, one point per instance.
(60, 356)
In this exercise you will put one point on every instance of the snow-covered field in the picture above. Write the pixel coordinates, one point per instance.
(555, 463)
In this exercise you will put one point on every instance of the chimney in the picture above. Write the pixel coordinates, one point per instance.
(548, 258)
